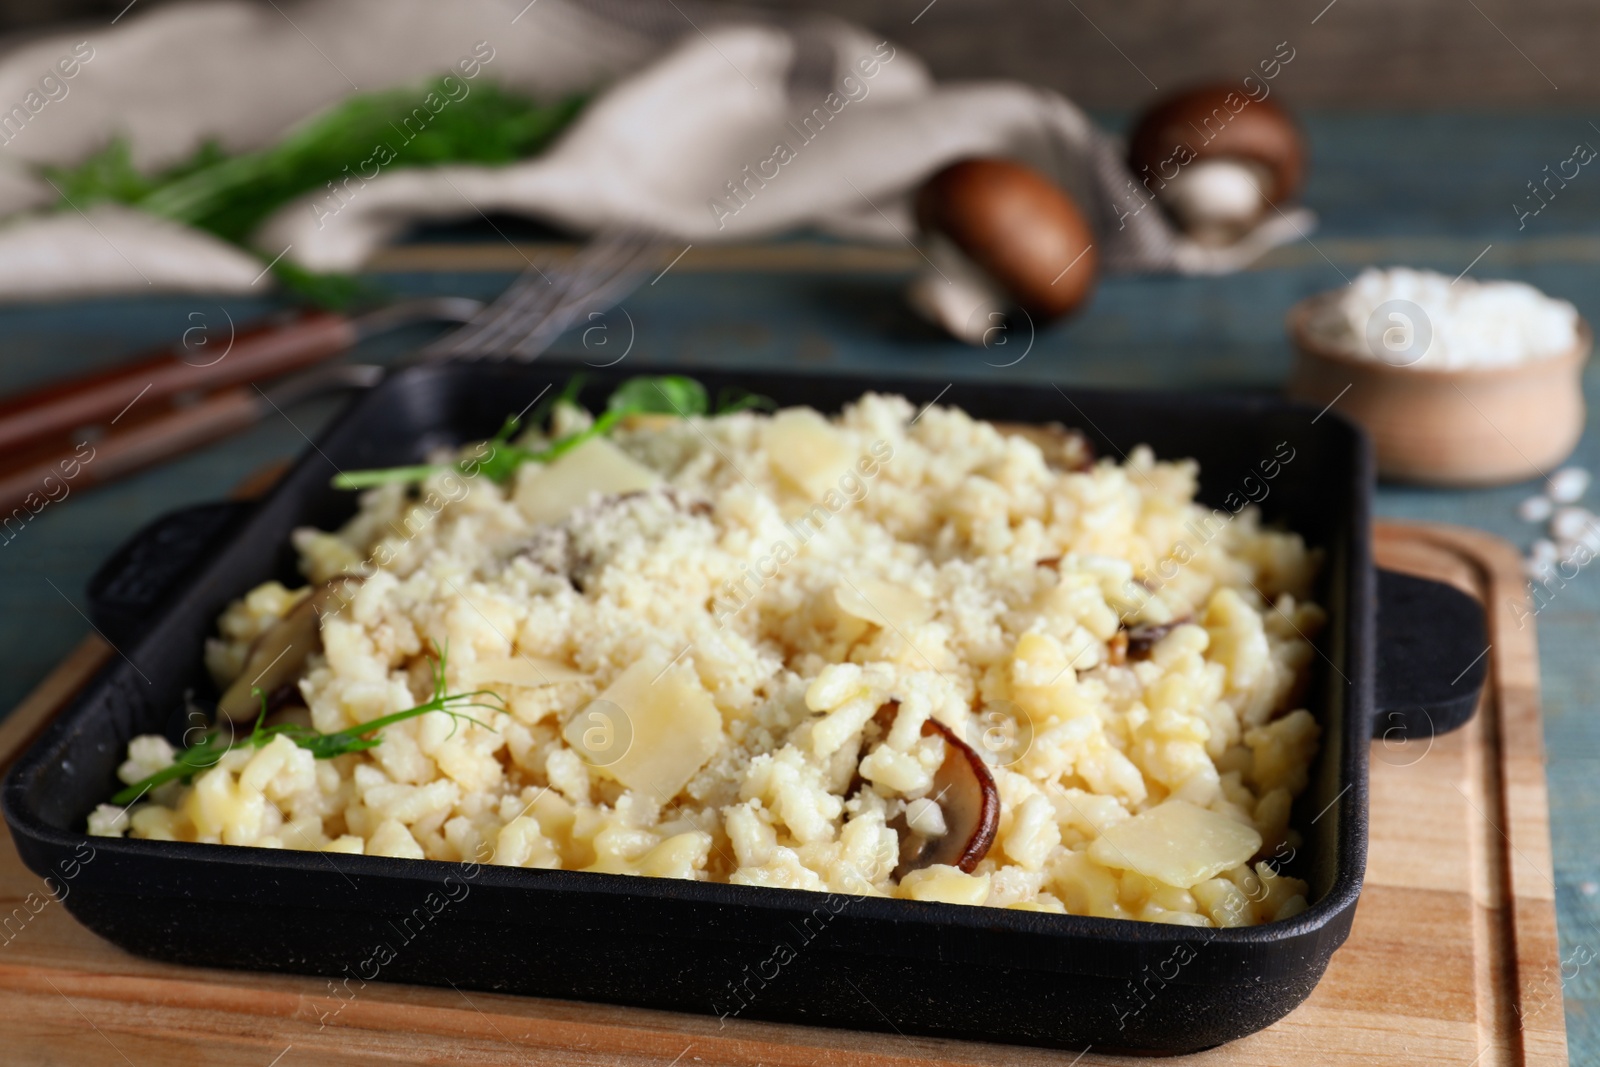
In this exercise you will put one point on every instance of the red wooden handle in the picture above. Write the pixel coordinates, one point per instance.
(262, 352)
(28, 491)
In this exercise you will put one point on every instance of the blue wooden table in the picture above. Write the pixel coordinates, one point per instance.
(1429, 191)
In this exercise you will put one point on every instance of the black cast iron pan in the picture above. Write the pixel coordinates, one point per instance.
(1390, 664)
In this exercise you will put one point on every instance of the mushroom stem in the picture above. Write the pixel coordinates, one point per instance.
(955, 294)
(1000, 236)
(1216, 201)
(1221, 161)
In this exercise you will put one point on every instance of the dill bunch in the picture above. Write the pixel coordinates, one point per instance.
(232, 195)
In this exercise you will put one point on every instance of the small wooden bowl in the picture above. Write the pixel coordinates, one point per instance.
(1473, 427)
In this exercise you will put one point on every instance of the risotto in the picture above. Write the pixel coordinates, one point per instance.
(884, 653)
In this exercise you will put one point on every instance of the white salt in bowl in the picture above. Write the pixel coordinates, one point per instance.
(1485, 388)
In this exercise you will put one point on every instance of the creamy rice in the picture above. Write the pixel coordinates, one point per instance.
(722, 672)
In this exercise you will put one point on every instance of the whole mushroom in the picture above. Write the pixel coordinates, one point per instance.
(1217, 159)
(999, 236)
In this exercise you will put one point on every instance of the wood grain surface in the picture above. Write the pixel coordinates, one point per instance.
(1452, 960)
(1115, 53)
(1368, 53)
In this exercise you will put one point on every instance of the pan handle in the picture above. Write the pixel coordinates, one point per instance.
(130, 586)
(1432, 657)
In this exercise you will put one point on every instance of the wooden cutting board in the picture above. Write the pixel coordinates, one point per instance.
(1453, 958)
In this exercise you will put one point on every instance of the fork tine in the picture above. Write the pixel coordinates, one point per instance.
(460, 341)
(536, 309)
(589, 270)
(603, 289)
(518, 315)
(532, 289)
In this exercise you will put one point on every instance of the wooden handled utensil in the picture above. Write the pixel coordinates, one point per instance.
(264, 351)
(41, 430)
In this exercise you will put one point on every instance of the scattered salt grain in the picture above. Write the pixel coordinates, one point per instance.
(1589, 540)
(1542, 559)
(1535, 509)
(1577, 551)
(1568, 485)
(1569, 523)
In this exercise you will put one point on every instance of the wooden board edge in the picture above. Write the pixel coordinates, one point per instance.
(1534, 1028)
(133, 1004)
(236, 1016)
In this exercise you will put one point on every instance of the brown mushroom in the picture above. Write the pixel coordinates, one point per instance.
(966, 794)
(1142, 639)
(278, 656)
(295, 714)
(1000, 236)
(1217, 159)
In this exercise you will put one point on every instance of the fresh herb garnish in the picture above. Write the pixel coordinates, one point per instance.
(232, 195)
(732, 400)
(328, 289)
(671, 394)
(216, 744)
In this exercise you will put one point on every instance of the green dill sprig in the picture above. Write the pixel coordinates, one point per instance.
(216, 744)
(671, 394)
(232, 195)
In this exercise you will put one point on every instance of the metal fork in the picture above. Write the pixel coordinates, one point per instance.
(536, 309)
(525, 320)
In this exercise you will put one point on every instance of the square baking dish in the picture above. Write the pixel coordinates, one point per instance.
(789, 955)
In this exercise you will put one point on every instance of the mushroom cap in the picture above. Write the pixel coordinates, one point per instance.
(1221, 122)
(1018, 227)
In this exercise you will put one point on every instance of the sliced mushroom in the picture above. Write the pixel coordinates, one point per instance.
(284, 697)
(966, 794)
(296, 714)
(1141, 639)
(278, 657)
(551, 549)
